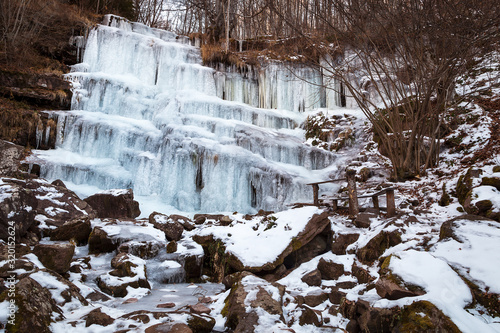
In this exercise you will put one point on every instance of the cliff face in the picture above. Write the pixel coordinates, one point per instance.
(31, 74)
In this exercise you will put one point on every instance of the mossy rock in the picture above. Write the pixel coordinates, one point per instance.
(496, 168)
(491, 181)
(423, 316)
(464, 186)
(483, 206)
(445, 198)
(201, 324)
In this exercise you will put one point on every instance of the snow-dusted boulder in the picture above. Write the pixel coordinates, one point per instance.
(250, 298)
(135, 237)
(262, 244)
(77, 229)
(36, 308)
(56, 257)
(114, 204)
(129, 272)
(172, 228)
(17, 210)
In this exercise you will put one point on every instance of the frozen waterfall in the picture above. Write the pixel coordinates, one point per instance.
(147, 115)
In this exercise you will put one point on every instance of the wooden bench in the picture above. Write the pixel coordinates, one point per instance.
(353, 197)
(388, 192)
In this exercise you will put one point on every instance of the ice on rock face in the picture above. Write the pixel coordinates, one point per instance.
(147, 115)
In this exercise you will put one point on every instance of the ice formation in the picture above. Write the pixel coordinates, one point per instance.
(147, 115)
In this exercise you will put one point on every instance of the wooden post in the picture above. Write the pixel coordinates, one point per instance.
(334, 205)
(375, 202)
(315, 194)
(353, 194)
(391, 205)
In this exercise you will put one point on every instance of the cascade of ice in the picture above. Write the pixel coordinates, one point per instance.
(147, 115)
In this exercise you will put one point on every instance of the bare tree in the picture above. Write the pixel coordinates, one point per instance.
(407, 55)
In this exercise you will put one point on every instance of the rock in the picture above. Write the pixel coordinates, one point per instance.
(173, 230)
(392, 291)
(56, 204)
(166, 305)
(114, 204)
(423, 316)
(464, 184)
(363, 220)
(377, 320)
(58, 183)
(10, 158)
(56, 257)
(242, 317)
(330, 270)
(129, 271)
(312, 300)
(101, 242)
(172, 247)
(17, 211)
(225, 221)
(202, 218)
(77, 229)
(20, 250)
(98, 317)
(184, 221)
(377, 246)
(318, 245)
(310, 317)
(201, 324)
(36, 309)
(193, 265)
(22, 264)
(141, 249)
(336, 296)
(277, 274)
(70, 293)
(342, 241)
(312, 278)
(346, 284)
(361, 274)
(169, 328)
(97, 296)
(448, 227)
(364, 174)
(199, 309)
(445, 198)
(316, 225)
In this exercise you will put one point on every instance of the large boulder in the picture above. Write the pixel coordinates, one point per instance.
(114, 204)
(55, 203)
(56, 257)
(17, 211)
(36, 309)
(172, 228)
(250, 296)
(130, 236)
(101, 242)
(77, 229)
(312, 226)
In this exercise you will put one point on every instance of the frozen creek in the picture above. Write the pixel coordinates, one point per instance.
(147, 115)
